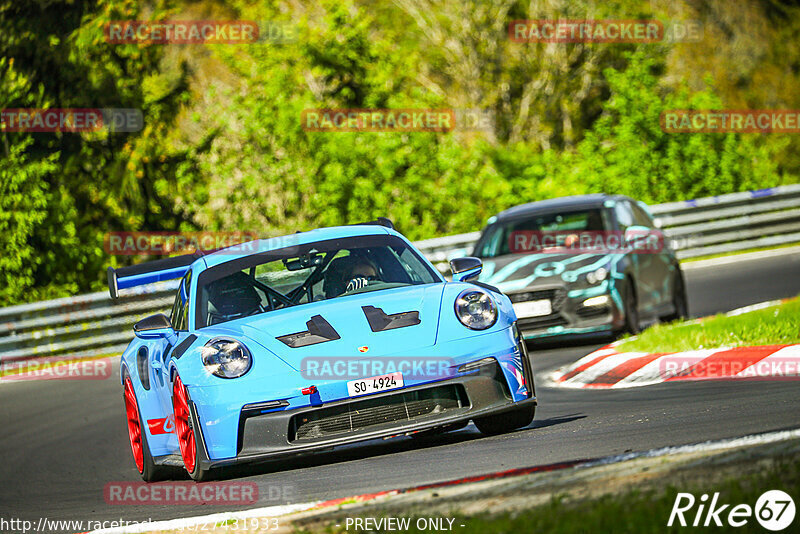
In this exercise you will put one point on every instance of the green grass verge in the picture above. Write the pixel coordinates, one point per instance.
(776, 325)
(632, 511)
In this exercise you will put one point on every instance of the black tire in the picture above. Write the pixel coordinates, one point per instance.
(506, 422)
(153, 472)
(198, 474)
(679, 300)
(630, 309)
(150, 471)
(202, 475)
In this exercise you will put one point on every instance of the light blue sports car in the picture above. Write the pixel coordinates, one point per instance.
(294, 344)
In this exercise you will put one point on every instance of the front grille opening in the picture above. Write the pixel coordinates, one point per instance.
(556, 296)
(545, 321)
(588, 312)
(364, 414)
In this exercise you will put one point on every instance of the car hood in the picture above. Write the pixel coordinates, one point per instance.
(356, 337)
(516, 272)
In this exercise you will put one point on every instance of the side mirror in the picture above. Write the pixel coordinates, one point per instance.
(642, 237)
(155, 327)
(465, 269)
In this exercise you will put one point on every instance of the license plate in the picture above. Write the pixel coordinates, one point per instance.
(533, 308)
(374, 384)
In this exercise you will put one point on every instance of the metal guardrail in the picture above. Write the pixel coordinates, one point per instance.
(732, 222)
(701, 227)
(81, 326)
(94, 325)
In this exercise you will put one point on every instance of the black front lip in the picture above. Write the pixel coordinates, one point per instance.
(275, 428)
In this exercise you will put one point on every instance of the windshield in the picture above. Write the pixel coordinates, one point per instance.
(310, 273)
(499, 239)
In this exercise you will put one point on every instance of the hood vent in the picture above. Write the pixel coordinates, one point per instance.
(379, 321)
(319, 331)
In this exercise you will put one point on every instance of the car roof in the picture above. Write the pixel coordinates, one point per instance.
(299, 238)
(556, 204)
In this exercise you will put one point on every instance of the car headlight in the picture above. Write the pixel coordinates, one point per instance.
(476, 309)
(226, 358)
(597, 276)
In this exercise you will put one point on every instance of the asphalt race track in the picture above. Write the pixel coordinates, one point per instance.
(63, 441)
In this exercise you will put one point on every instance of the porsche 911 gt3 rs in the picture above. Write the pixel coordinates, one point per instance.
(290, 345)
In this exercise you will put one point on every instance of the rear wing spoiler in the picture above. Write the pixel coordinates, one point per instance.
(380, 221)
(148, 272)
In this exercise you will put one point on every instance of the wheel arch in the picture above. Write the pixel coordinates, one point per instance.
(123, 370)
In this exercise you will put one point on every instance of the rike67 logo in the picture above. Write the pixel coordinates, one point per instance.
(774, 510)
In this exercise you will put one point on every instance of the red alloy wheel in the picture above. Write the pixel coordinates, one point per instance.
(184, 431)
(134, 426)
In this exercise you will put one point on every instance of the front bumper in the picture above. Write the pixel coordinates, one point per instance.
(235, 426)
(274, 435)
(569, 315)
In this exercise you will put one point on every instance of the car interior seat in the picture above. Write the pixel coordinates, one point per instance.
(232, 297)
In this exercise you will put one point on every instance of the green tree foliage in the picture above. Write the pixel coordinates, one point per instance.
(223, 147)
(83, 185)
(24, 196)
(627, 152)
(23, 199)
